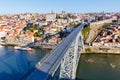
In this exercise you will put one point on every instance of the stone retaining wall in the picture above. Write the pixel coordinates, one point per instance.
(91, 49)
(94, 29)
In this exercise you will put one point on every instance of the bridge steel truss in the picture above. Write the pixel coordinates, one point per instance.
(65, 56)
(71, 58)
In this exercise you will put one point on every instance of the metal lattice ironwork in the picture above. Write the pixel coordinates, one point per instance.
(71, 58)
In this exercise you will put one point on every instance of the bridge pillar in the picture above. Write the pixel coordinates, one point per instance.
(70, 60)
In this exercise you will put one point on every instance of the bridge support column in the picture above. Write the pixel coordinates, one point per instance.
(70, 60)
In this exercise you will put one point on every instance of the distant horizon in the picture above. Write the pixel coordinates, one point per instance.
(55, 12)
(73, 6)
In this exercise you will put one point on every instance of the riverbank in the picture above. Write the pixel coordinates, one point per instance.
(9, 44)
(43, 47)
(91, 49)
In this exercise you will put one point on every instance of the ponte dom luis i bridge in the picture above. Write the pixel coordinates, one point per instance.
(62, 62)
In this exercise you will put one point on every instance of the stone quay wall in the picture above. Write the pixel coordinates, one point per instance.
(91, 49)
(94, 29)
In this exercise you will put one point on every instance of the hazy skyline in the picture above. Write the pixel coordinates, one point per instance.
(45, 6)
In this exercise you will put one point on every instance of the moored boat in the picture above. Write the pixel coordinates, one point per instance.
(23, 48)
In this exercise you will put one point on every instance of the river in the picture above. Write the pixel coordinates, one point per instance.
(99, 67)
(14, 64)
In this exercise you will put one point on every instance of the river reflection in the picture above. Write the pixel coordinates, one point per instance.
(99, 67)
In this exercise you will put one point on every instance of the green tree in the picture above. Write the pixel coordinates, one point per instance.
(85, 31)
(36, 34)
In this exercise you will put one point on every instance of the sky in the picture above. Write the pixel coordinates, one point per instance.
(46, 6)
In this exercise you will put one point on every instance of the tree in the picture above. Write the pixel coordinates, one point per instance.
(36, 34)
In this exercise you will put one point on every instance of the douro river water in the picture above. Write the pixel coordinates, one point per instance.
(15, 64)
(99, 67)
